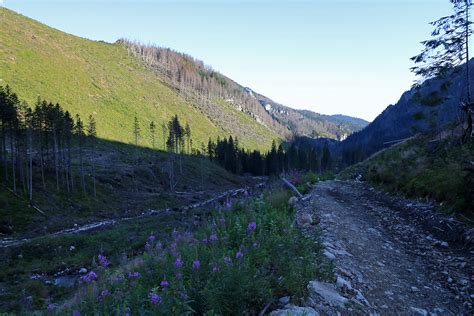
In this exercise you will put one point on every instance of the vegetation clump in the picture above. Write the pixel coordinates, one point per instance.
(242, 259)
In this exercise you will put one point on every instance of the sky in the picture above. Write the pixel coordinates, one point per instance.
(328, 56)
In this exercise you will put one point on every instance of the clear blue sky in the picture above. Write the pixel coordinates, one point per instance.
(329, 56)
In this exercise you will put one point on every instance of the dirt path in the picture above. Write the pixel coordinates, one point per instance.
(386, 248)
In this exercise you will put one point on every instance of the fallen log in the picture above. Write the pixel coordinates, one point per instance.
(291, 186)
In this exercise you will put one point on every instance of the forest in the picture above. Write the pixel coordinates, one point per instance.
(47, 141)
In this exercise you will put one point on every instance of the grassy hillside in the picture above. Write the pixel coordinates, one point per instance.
(89, 77)
(423, 166)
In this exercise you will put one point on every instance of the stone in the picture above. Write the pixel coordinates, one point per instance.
(419, 311)
(343, 284)
(414, 289)
(344, 272)
(329, 255)
(305, 220)
(284, 300)
(327, 292)
(295, 311)
(292, 201)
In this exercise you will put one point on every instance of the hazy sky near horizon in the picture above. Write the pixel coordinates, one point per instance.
(329, 56)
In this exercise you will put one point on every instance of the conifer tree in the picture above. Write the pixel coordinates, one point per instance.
(448, 48)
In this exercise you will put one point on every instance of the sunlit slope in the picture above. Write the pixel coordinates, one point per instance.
(89, 77)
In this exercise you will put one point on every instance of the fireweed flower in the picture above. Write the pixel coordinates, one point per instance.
(196, 264)
(239, 255)
(174, 249)
(227, 260)
(103, 261)
(164, 284)
(133, 275)
(154, 298)
(89, 277)
(251, 227)
(178, 263)
(213, 237)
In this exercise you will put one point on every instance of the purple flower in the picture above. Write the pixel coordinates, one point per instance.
(51, 307)
(148, 246)
(103, 261)
(213, 237)
(246, 193)
(205, 241)
(251, 227)
(164, 284)
(134, 275)
(227, 260)
(128, 311)
(196, 264)
(151, 238)
(255, 245)
(104, 293)
(216, 268)
(174, 249)
(76, 313)
(178, 263)
(155, 298)
(89, 277)
(239, 255)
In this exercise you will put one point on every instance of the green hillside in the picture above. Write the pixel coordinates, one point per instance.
(423, 166)
(89, 77)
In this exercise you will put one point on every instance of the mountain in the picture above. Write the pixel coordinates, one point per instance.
(309, 123)
(430, 107)
(114, 82)
(102, 79)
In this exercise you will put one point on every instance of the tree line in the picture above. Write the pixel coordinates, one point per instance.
(296, 156)
(41, 143)
(228, 153)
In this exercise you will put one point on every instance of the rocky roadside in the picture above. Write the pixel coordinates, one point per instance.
(391, 256)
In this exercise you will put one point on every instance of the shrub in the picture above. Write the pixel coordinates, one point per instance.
(237, 263)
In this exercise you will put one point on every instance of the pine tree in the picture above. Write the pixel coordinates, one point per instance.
(91, 135)
(152, 128)
(448, 48)
(79, 132)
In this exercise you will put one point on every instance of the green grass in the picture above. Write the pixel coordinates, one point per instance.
(93, 77)
(420, 168)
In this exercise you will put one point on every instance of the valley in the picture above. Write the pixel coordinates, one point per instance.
(137, 180)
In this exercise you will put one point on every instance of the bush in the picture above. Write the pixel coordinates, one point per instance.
(310, 177)
(236, 264)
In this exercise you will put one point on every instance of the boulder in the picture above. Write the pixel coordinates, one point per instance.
(327, 292)
(305, 220)
(292, 201)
